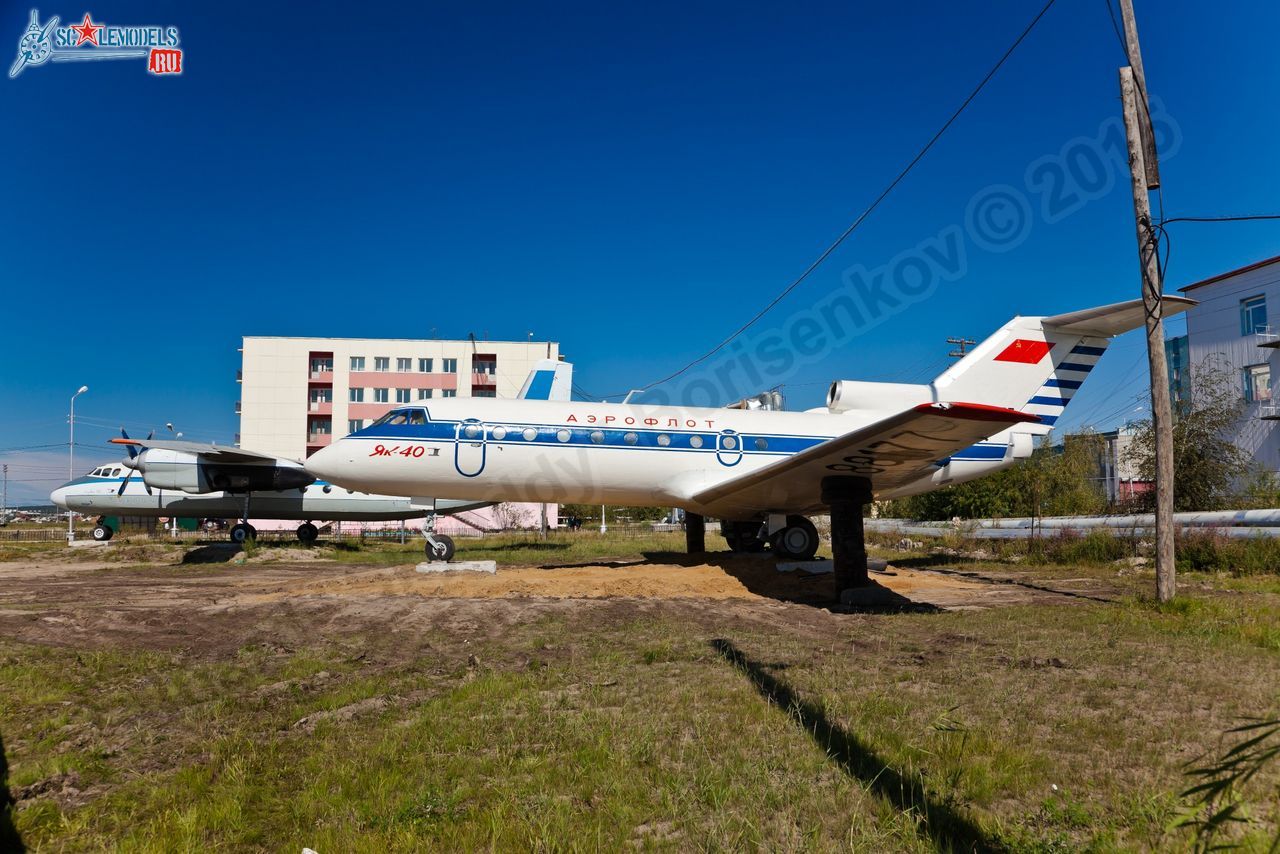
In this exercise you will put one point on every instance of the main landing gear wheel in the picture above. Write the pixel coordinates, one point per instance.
(743, 536)
(102, 533)
(241, 532)
(797, 541)
(307, 533)
(440, 547)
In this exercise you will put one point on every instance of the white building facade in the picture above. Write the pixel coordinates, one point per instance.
(298, 393)
(1237, 324)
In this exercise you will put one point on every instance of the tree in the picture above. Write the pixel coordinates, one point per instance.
(1058, 480)
(1207, 465)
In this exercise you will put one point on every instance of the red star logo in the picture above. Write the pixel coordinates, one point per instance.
(88, 32)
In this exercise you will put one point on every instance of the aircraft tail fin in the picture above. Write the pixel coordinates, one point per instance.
(1036, 364)
(549, 380)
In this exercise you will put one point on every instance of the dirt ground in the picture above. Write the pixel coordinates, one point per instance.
(213, 607)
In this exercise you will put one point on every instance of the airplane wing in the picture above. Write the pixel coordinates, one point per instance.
(215, 453)
(890, 453)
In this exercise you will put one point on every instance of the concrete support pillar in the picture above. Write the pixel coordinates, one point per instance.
(846, 496)
(695, 533)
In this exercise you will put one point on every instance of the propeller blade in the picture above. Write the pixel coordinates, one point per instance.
(133, 452)
(124, 482)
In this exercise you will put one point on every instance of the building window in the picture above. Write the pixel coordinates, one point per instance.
(1257, 383)
(381, 363)
(321, 427)
(484, 392)
(322, 395)
(485, 366)
(424, 394)
(449, 366)
(357, 363)
(321, 366)
(380, 395)
(402, 395)
(1253, 315)
(424, 366)
(355, 424)
(448, 392)
(404, 365)
(356, 395)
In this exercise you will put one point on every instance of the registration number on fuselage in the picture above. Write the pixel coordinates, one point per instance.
(405, 451)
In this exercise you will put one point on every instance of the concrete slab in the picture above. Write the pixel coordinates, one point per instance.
(90, 544)
(489, 566)
(825, 567)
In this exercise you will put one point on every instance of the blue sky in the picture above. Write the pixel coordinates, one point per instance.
(632, 181)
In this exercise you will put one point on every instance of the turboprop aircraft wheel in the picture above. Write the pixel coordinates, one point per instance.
(102, 533)
(797, 541)
(241, 532)
(442, 549)
(307, 533)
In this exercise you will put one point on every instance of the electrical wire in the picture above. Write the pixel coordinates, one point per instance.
(1242, 218)
(862, 217)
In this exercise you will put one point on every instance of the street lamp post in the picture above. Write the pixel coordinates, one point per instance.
(71, 462)
(173, 520)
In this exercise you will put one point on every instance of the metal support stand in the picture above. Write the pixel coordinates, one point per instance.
(846, 496)
(695, 533)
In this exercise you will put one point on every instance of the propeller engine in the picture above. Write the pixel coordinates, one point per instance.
(197, 472)
(131, 463)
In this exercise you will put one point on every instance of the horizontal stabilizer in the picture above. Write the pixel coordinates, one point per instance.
(1108, 320)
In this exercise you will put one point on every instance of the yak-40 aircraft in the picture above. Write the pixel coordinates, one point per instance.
(760, 472)
(197, 480)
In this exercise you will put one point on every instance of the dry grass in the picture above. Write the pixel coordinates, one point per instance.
(655, 725)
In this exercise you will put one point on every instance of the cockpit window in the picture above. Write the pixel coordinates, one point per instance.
(115, 472)
(402, 416)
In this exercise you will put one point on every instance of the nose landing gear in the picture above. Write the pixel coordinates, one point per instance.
(439, 546)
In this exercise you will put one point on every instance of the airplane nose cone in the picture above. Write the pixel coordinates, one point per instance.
(59, 496)
(327, 463)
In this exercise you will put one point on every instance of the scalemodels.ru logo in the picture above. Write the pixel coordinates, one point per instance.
(91, 41)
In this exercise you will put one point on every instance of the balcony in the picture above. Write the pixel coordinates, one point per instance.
(485, 379)
(319, 439)
(320, 407)
(321, 376)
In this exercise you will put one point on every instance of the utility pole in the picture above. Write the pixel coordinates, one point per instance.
(1144, 175)
(962, 345)
(4, 502)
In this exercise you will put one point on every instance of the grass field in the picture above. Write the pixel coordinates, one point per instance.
(645, 723)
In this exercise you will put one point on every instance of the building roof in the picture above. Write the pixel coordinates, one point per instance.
(1247, 268)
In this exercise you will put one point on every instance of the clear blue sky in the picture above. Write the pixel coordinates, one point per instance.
(633, 181)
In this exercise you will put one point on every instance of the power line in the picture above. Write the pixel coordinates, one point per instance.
(826, 253)
(1242, 218)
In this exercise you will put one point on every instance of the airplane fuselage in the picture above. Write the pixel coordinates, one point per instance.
(101, 495)
(501, 450)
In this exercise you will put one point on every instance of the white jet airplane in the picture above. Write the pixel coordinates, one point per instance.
(761, 472)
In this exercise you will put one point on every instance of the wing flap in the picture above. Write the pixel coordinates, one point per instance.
(890, 453)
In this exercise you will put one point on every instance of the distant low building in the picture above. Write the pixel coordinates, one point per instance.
(1120, 479)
